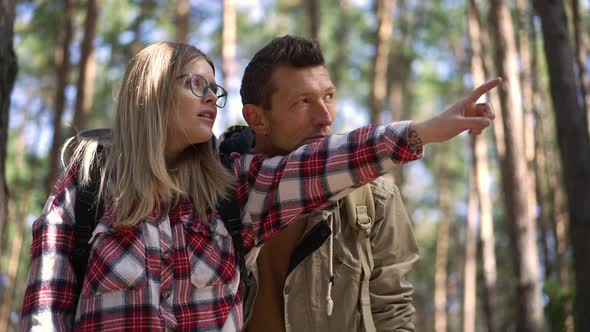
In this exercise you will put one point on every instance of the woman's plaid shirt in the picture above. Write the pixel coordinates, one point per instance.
(172, 272)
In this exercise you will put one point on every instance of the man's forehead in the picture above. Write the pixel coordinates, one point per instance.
(312, 76)
(306, 70)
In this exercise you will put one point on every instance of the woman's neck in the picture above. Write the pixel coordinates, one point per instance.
(171, 156)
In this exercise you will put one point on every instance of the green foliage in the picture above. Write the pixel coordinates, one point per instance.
(254, 31)
(559, 300)
(39, 50)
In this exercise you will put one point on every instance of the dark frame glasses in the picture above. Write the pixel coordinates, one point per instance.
(200, 87)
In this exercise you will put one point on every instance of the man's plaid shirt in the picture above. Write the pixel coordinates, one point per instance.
(173, 272)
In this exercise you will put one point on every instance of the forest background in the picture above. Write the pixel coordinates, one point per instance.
(502, 220)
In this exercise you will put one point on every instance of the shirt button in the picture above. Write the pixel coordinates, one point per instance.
(166, 254)
(166, 294)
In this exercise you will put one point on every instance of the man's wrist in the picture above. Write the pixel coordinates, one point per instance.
(416, 135)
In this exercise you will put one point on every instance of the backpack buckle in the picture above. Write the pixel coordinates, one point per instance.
(362, 218)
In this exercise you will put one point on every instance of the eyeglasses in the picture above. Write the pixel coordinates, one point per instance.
(200, 86)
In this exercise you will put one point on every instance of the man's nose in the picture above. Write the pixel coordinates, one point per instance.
(323, 115)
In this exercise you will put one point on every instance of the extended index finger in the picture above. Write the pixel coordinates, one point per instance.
(483, 89)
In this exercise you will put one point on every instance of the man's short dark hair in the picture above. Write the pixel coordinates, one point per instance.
(257, 86)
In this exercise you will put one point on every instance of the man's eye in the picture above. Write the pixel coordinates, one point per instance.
(329, 97)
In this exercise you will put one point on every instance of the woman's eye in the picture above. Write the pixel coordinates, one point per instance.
(329, 97)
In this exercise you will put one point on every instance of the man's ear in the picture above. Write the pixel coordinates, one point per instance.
(255, 116)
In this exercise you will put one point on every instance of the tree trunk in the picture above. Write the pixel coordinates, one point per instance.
(19, 162)
(62, 66)
(399, 64)
(560, 220)
(21, 286)
(400, 72)
(515, 180)
(470, 272)
(18, 214)
(312, 11)
(480, 166)
(558, 225)
(341, 38)
(487, 233)
(554, 212)
(15, 251)
(183, 13)
(574, 146)
(461, 266)
(442, 253)
(558, 213)
(87, 69)
(543, 191)
(580, 45)
(228, 46)
(487, 63)
(382, 48)
(523, 10)
(8, 70)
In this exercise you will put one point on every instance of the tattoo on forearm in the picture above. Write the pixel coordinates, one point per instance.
(414, 140)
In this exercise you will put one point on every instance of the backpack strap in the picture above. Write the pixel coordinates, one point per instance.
(229, 211)
(86, 212)
(360, 208)
(237, 139)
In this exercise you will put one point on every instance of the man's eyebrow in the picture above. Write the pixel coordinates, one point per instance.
(294, 93)
(298, 92)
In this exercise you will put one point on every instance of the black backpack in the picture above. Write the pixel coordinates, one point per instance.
(86, 208)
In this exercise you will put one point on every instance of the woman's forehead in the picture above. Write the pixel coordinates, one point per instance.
(200, 66)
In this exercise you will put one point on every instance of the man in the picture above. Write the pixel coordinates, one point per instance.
(341, 269)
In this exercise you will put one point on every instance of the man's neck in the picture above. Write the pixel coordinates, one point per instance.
(264, 146)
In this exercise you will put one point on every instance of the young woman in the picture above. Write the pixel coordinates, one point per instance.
(160, 257)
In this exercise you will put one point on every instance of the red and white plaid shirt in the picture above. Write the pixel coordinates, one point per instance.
(172, 272)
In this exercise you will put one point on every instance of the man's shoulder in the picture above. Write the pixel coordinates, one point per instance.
(383, 188)
(374, 196)
(379, 194)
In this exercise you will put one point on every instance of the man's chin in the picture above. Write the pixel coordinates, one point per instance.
(312, 140)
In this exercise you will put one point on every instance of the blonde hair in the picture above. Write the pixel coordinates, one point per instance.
(135, 179)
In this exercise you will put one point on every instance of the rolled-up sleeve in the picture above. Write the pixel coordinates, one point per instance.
(51, 294)
(275, 191)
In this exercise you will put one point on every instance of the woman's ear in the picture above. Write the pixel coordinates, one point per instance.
(255, 116)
